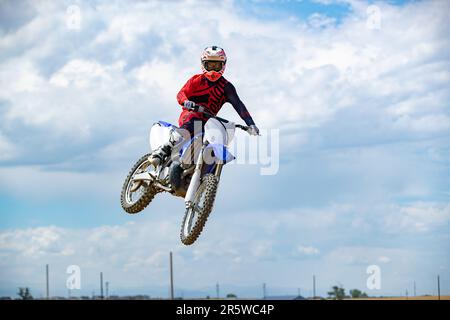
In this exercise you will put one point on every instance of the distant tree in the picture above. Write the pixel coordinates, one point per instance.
(355, 294)
(25, 294)
(337, 293)
(231, 296)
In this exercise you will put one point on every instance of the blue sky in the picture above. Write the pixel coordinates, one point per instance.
(302, 9)
(363, 115)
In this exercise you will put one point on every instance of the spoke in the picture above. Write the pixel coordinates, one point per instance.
(133, 196)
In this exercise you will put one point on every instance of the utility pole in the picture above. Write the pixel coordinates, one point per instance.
(264, 291)
(171, 276)
(46, 281)
(439, 288)
(414, 288)
(217, 290)
(101, 285)
(107, 289)
(314, 286)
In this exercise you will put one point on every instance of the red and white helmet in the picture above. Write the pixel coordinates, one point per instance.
(213, 61)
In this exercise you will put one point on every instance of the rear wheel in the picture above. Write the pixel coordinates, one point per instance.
(196, 215)
(136, 195)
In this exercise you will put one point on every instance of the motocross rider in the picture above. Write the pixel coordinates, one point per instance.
(207, 91)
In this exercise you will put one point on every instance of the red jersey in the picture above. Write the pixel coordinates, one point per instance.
(211, 95)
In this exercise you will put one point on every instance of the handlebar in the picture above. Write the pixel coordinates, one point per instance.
(210, 115)
(245, 128)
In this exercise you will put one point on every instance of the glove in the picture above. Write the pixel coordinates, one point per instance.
(253, 130)
(189, 105)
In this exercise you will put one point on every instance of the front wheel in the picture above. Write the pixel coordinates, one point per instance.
(196, 215)
(136, 195)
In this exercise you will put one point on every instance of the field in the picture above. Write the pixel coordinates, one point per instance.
(409, 298)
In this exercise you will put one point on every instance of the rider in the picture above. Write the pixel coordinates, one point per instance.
(208, 92)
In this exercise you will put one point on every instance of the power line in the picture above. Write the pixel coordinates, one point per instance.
(101, 285)
(264, 291)
(314, 286)
(171, 276)
(439, 287)
(47, 281)
(217, 290)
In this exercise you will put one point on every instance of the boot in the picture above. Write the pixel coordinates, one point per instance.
(159, 155)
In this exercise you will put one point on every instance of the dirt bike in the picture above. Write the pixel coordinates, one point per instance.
(193, 173)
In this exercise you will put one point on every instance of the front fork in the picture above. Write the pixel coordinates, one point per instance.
(218, 170)
(196, 177)
(195, 180)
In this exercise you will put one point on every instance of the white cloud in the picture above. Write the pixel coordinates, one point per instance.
(26, 79)
(81, 74)
(417, 217)
(427, 123)
(7, 149)
(83, 101)
(33, 242)
(129, 58)
(308, 250)
(384, 259)
(317, 20)
(365, 256)
(245, 249)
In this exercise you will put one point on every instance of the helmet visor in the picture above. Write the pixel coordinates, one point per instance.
(213, 65)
